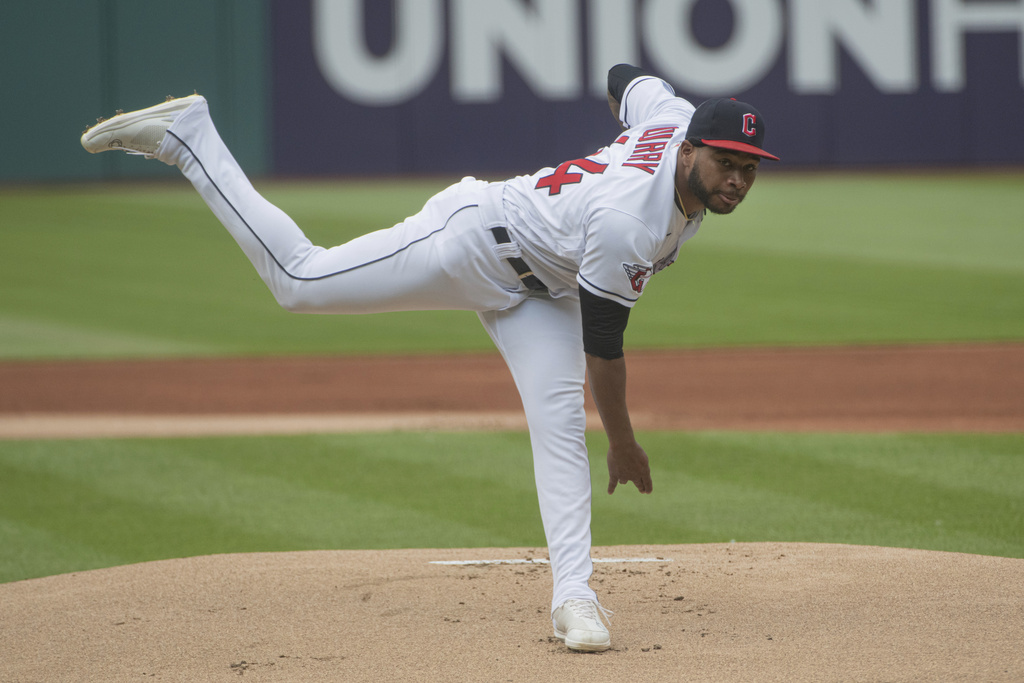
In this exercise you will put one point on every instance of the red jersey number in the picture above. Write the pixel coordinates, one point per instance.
(553, 183)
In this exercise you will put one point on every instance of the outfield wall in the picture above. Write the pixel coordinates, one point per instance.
(496, 85)
(65, 62)
(304, 87)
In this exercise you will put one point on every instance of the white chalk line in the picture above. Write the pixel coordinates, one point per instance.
(90, 426)
(608, 560)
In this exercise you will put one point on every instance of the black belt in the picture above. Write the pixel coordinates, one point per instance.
(524, 271)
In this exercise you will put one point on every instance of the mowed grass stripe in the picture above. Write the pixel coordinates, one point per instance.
(950, 220)
(74, 505)
(808, 259)
(122, 501)
(724, 296)
(942, 492)
(26, 338)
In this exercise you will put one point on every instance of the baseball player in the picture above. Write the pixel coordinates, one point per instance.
(551, 262)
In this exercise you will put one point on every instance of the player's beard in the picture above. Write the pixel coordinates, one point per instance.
(695, 182)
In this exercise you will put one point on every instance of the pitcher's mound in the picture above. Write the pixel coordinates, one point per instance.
(728, 612)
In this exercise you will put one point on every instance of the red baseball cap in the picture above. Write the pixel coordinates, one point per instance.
(729, 124)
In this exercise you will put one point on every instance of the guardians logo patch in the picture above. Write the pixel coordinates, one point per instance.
(638, 275)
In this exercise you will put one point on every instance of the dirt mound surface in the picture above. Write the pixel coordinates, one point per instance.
(726, 612)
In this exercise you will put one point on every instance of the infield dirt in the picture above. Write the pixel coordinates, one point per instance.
(978, 387)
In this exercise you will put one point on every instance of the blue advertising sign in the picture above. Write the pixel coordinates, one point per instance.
(507, 86)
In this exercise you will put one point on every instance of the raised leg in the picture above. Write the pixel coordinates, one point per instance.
(441, 258)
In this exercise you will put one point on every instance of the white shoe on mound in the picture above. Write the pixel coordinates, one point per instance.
(137, 132)
(578, 623)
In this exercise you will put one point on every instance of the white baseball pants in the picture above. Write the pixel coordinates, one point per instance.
(444, 257)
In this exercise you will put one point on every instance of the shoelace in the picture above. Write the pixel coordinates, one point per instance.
(589, 609)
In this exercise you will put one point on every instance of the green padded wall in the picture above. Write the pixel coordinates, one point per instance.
(65, 62)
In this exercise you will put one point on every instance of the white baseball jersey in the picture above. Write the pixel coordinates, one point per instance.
(609, 221)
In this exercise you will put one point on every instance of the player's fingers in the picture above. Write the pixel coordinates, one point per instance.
(612, 483)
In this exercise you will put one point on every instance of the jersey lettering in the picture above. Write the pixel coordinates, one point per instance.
(561, 176)
(647, 154)
(649, 147)
(644, 157)
(658, 133)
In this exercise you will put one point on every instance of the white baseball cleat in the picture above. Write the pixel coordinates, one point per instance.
(578, 623)
(137, 132)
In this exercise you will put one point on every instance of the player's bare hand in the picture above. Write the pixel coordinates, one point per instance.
(629, 464)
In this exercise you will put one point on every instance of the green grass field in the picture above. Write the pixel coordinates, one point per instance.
(143, 270)
(74, 505)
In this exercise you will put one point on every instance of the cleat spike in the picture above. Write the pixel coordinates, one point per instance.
(100, 119)
(169, 98)
(118, 112)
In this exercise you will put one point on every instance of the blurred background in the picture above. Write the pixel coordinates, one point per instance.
(385, 87)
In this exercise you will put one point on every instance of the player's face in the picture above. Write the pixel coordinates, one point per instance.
(720, 178)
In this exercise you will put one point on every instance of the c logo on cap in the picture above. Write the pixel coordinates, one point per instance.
(749, 121)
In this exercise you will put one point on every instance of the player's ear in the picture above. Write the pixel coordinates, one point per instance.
(687, 150)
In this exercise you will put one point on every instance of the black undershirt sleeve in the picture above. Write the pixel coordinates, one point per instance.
(604, 323)
(621, 75)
